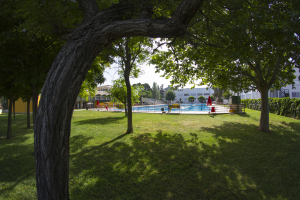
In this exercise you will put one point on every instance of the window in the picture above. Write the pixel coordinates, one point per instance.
(243, 96)
(186, 95)
(274, 94)
(296, 94)
(206, 93)
(199, 94)
(193, 94)
(248, 96)
(180, 95)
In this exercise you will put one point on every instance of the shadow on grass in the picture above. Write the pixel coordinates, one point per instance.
(18, 128)
(17, 164)
(16, 156)
(103, 121)
(243, 115)
(241, 163)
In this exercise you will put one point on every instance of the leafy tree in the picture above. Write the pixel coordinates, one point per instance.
(32, 53)
(8, 89)
(146, 87)
(155, 91)
(162, 91)
(242, 45)
(170, 95)
(191, 99)
(93, 78)
(218, 92)
(36, 63)
(201, 99)
(145, 94)
(119, 91)
(11, 50)
(212, 97)
(130, 51)
(86, 36)
(227, 94)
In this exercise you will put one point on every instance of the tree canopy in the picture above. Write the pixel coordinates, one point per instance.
(119, 91)
(93, 78)
(191, 99)
(88, 26)
(170, 95)
(240, 45)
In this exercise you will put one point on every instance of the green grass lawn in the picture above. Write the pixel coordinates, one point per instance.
(167, 157)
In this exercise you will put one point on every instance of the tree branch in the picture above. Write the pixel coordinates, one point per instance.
(137, 53)
(210, 44)
(161, 44)
(275, 72)
(90, 8)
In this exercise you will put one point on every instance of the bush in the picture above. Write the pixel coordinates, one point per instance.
(279, 106)
(191, 99)
(220, 100)
(201, 99)
(212, 97)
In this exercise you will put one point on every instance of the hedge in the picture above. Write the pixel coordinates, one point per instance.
(279, 106)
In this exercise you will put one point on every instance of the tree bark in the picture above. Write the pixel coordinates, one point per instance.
(53, 119)
(128, 86)
(35, 97)
(129, 107)
(28, 112)
(125, 107)
(11, 99)
(264, 116)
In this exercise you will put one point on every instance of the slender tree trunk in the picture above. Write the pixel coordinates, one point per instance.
(129, 103)
(28, 112)
(128, 86)
(53, 119)
(14, 106)
(125, 106)
(11, 99)
(35, 96)
(264, 116)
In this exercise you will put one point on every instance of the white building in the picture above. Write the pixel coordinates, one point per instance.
(292, 91)
(198, 91)
(102, 95)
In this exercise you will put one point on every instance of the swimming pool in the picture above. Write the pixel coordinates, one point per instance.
(183, 107)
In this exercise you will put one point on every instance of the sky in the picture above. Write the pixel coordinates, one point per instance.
(149, 76)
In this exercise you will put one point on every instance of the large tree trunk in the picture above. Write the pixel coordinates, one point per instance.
(264, 116)
(53, 120)
(11, 99)
(35, 97)
(28, 112)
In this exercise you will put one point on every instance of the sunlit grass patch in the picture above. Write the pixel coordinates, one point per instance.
(167, 157)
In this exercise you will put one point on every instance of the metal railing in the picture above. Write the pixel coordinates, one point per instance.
(184, 109)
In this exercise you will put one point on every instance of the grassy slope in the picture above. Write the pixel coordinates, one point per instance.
(168, 157)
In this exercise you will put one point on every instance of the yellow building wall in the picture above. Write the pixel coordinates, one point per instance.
(21, 106)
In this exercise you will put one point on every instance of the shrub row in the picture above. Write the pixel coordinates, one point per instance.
(280, 106)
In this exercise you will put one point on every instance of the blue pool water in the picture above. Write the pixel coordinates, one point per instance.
(183, 107)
